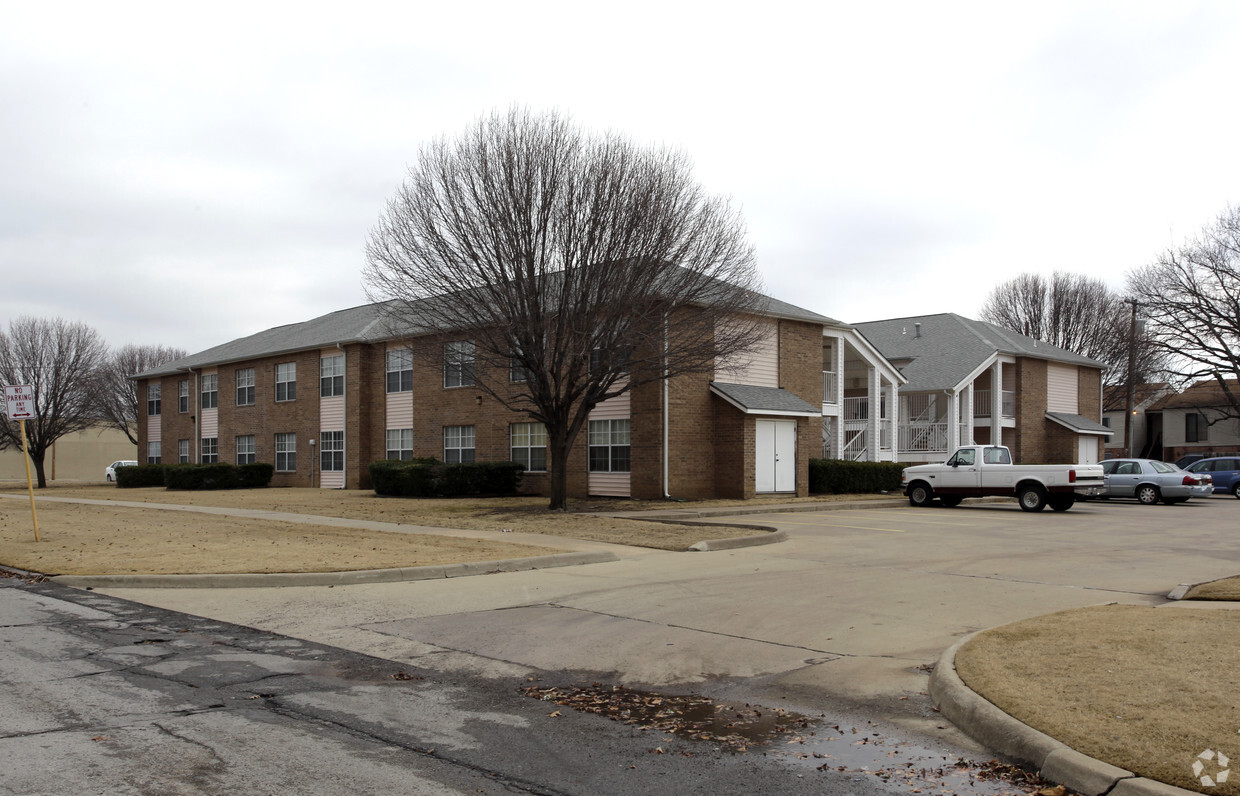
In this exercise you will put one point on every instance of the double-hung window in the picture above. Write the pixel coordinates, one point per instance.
(245, 449)
(529, 445)
(331, 376)
(245, 387)
(153, 402)
(210, 391)
(183, 451)
(609, 446)
(458, 444)
(458, 363)
(400, 443)
(210, 450)
(331, 451)
(183, 396)
(286, 381)
(286, 453)
(153, 455)
(399, 370)
(1195, 427)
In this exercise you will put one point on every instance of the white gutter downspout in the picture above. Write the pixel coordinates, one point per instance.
(666, 422)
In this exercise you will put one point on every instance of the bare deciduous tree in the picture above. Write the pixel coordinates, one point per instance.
(1078, 313)
(592, 264)
(1191, 296)
(116, 394)
(62, 361)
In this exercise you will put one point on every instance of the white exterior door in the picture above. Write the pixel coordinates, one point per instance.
(775, 446)
(1087, 449)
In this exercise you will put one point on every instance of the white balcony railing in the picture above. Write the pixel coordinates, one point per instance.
(830, 384)
(981, 403)
(923, 437)
(859, 408)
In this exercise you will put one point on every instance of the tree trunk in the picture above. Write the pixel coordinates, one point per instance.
(37, 461)
(558, 450)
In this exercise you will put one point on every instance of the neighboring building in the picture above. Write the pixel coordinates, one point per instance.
(1115, 408)
(323, 399)
(1194, 421)
(971, 382)
(80, 456)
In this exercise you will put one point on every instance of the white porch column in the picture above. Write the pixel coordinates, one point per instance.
(996, 404)
(893, 414)
(953, 421)
(837, 356)
(968, 414)
(874, 395)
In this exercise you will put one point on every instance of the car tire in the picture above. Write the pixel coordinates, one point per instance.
(950, 501)
(109, 478)
(1062, 502)
(1148, 494)
(1031, 498)
(1235, 488)
(920, 495)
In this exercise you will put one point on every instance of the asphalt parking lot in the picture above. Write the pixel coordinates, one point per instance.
(848, 612)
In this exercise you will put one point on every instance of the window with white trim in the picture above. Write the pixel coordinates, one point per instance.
(153, 453)
(245, 449)
(528, 444)
(458, 363)
(286, 381)
(210, 391)
(183, 396)
(210, 450)
(609, 446)
(400, 443)
(286, 453)
(183, 450)
(458, 444)
(331, 451)
(153, 402)
(399, 370)
(245, 387)
(331, 376)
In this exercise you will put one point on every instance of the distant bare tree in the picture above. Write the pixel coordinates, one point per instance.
(1078, 313)
(116, 394)
(1191, 295)
(592, 264)
(62, 361)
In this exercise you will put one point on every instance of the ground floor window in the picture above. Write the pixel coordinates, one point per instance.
(458, 444)
(609, 446)
(210, 450)
(331, 451)
(286, 453)
(245, 449)
(183, 451)
(153, 453)
(400, 443)
(529, 445)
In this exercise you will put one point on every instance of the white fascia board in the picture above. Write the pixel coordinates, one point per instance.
(872, 355)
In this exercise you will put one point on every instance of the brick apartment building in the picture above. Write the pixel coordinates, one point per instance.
(323, 399)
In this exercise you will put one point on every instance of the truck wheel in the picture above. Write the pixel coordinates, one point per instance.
(1031, 498)
(920, 495)
(1062, 502)
(1147, 494)
(950, 501)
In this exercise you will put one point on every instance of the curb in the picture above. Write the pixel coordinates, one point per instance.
(711, 545)
(982, 721)
(344, 578)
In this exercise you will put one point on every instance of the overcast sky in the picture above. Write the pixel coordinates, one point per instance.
(186, 174)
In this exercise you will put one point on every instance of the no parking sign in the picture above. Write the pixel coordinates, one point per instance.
(19, 406)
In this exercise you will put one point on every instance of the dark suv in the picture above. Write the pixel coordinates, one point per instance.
(1224, 469)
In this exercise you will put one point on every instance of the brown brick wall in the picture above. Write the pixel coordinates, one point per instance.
(1029, 443)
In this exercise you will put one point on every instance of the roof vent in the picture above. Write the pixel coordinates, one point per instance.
(917, 326)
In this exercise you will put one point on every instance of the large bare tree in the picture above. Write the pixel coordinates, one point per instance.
(116, 395)
(590, 264)
(1079, 313)
(62, 361)
(1191, 294)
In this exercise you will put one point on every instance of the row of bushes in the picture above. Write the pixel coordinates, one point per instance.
(431, 478)
(839, 477)
(196, 476)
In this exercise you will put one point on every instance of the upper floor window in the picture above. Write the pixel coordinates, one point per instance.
(331, 375)
(331, 451)
(399, 370)
(245, 387)
(1195, 427)
(529, 445)
(210, 391)
(153, 402)
(183, 396)
(245, 449)
(458, 444)
(458, 363)
(286, 381)
(609, 446)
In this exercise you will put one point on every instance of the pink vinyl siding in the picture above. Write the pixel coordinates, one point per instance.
(611, 484)
(1061, 388)
(759, 367)
(399, 410)
(153, 433)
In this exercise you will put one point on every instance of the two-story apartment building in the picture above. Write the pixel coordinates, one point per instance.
(1197, 420)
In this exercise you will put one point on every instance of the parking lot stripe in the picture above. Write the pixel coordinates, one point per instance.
(831, 524)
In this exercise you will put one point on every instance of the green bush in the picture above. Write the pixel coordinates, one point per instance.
(142, 475)
(840, 477)
(430, 478)
(218, 476)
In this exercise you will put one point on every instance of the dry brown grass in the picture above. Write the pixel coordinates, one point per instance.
(1227, 589)
(1147, 689)
(93, 539)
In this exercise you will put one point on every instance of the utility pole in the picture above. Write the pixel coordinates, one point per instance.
(1129, 424)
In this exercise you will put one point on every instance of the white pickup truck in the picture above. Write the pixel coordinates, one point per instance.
(982, 470)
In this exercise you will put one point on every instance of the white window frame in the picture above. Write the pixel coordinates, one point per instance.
(614, 436)
(286, 382)
(183, 450)
(154, 402)
(458, 363)
(400, 444)
(527, 443)
(400, 370)
(331, 376)
(286, 453)
(245, 387)
(246, 449)
(459, 444)
(210, 390)
(154, 453)
(331, 451)
(183, 396)
(210, 451)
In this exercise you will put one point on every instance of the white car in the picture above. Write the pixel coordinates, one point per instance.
(110, 472)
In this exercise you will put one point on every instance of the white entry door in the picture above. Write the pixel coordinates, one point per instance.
(775, 446)
(1087, 449)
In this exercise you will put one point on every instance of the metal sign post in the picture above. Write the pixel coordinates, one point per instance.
(19, 406)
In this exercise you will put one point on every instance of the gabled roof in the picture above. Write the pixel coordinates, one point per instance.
(764, 400)
(947, 348)
(1205, 393)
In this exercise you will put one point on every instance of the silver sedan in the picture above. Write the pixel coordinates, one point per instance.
(1150, 481)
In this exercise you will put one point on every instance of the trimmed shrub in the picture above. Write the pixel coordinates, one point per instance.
(840, 477)
(430, 478)
(142, 475)
(218, 476)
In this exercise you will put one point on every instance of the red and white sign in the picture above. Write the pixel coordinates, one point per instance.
(19, 402)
